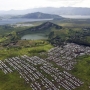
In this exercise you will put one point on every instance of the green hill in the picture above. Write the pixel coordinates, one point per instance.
(45, 27)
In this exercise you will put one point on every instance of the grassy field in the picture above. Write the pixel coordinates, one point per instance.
(12, 82)
(82, 71)
(12, 52)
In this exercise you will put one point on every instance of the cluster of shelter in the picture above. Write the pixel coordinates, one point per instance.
(65, 57)
(40, 74)
(5, 68)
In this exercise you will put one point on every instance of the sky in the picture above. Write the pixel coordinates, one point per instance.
(27, 4)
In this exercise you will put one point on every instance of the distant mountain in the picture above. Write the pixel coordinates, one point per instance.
(50, 10)
(43, 27)
(39, 15)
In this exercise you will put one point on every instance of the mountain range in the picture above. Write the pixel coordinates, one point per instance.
(50, 10)
(38, 15)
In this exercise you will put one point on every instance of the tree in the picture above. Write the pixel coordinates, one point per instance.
(51, 35)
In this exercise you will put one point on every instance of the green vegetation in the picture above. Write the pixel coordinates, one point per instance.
(11, 45)
(82, 71)
(18, 51)
(12, 82)
(46, 28)
(7, 29)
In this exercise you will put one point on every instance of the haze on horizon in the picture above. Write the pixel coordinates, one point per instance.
(28, 4)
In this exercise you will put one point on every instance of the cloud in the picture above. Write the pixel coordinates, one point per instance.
(66, 2)
(25, 4)
(84, 3)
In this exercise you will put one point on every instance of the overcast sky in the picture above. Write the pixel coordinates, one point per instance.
(27, 4)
